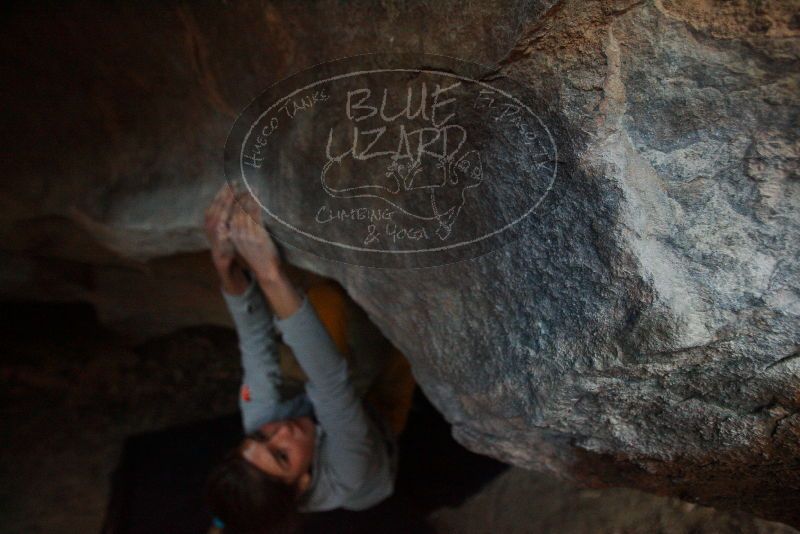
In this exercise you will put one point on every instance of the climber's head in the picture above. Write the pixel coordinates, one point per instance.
(259, 484)
(283, 450)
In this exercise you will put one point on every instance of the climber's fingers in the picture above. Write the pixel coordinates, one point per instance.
(226, 206)
(238, 224)
(243, 229)
(214, 211)
(223, 230)
(247, 203)
(211, 218)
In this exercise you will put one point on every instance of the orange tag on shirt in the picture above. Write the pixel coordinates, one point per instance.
(245, 393)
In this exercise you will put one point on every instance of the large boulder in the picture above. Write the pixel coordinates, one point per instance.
(643, 332)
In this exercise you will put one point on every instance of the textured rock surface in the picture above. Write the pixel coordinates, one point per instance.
(644, 333)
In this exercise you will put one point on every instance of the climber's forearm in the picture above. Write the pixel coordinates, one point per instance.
(233, 281)
(283, 297)
(259, 394)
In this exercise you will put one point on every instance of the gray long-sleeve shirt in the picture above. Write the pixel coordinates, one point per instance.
(354, 463)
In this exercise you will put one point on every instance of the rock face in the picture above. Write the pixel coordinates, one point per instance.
(644, 332)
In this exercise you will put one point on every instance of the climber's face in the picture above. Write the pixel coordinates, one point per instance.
(284, 450)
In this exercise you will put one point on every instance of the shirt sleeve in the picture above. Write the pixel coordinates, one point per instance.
(338, 409)
(259, 396)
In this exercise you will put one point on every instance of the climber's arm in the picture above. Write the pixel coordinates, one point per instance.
(338, 409)
(259, 397)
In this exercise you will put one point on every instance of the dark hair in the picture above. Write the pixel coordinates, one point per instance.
(248, 500)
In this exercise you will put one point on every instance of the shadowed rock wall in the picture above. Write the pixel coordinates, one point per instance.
(643, 333)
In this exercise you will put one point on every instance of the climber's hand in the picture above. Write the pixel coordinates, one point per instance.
(247, 202)
(217, 216)
(252, 241)
(223, 252)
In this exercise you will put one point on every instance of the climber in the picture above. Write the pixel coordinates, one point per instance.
(319, 450)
